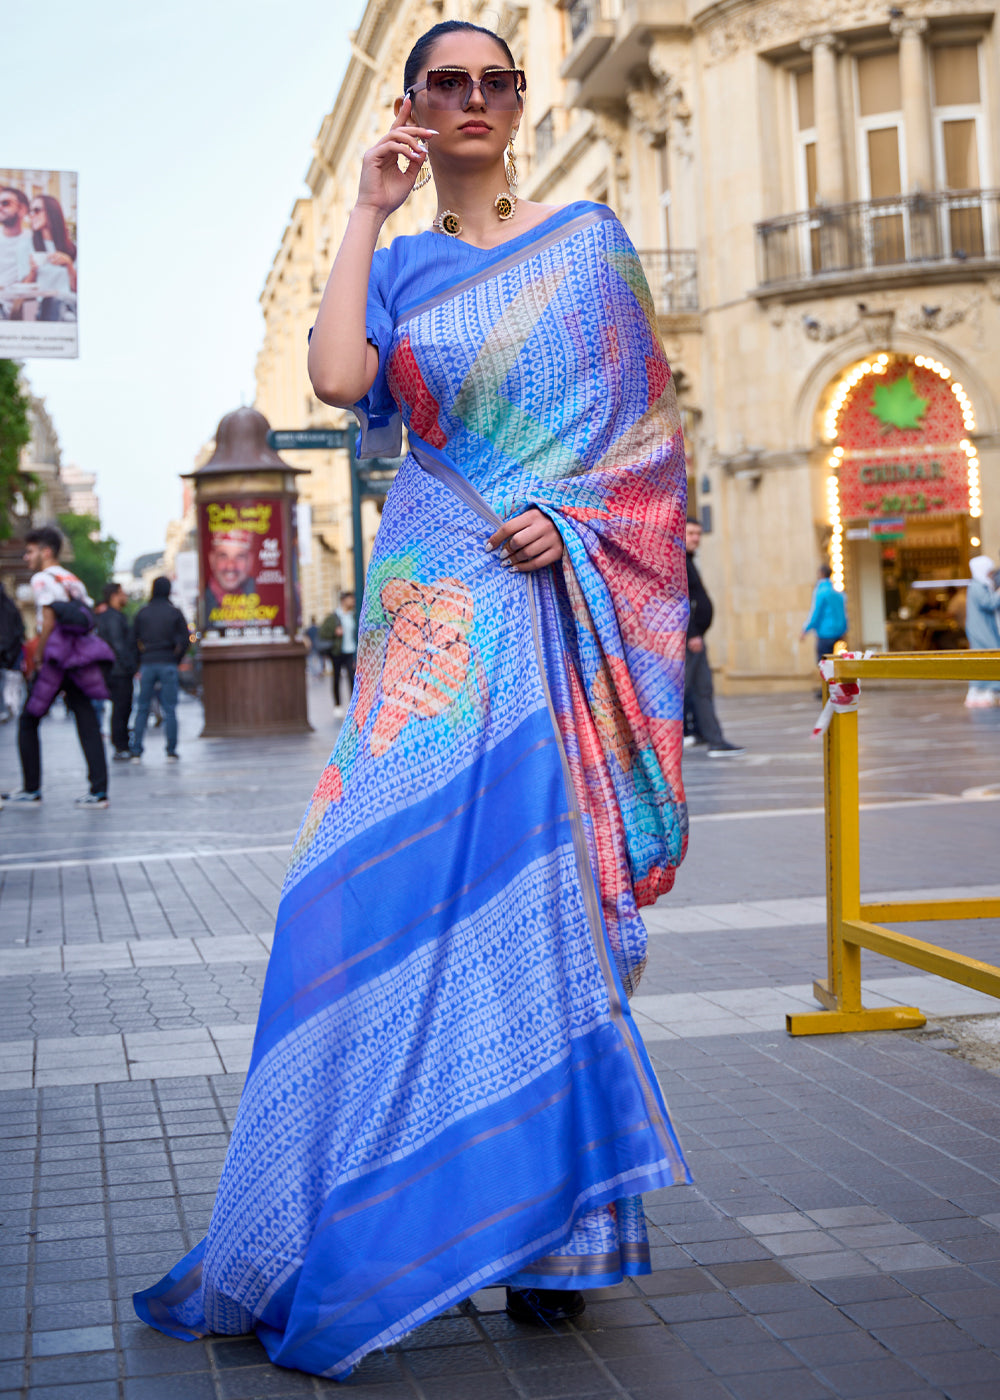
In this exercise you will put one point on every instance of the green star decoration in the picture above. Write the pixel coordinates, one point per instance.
(898, 405)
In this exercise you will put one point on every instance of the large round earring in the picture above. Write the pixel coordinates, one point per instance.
(510, 165)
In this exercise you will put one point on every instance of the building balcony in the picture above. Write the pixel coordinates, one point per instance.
(610, 41)
(906, 238)
(591, 32)
(672, 274)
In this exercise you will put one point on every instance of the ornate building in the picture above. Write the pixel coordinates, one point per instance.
(812, 188)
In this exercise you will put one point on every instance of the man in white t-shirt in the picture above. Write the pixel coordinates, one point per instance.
(15, 242)
(51, 583)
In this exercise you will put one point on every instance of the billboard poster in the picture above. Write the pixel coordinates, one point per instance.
(38, 264)
(244, 567)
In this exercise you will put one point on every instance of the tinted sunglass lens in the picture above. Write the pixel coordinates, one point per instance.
(448, 89)
(500, 90)
(453, 90)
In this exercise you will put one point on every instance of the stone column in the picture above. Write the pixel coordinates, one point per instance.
(916, 102)
(829, 133)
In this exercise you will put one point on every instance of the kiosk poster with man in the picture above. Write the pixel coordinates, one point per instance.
(243, 566)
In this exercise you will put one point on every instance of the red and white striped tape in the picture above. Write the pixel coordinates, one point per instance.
(843, 695)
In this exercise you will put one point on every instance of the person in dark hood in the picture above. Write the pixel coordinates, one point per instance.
(699, 695)
(162, 637)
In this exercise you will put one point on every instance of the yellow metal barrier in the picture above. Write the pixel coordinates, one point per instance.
(852, 925)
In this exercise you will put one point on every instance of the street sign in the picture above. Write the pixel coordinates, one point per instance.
(302, 439)
(375, 478)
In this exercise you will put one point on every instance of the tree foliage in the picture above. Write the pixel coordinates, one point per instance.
(93, 558)
(15, 434)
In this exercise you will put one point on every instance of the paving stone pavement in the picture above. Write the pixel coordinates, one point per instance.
(843, 1235)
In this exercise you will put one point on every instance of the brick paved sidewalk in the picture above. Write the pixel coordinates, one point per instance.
(843, 1238)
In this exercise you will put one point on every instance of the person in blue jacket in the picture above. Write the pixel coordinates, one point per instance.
(828, 618)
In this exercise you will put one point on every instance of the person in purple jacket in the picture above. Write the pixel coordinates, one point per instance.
(67, 658)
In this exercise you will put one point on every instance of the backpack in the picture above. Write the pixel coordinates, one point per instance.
(74, 616)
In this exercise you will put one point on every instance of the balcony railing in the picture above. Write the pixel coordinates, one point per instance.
(672, 274)
(581, 13)
(955, 228)
(545, 135)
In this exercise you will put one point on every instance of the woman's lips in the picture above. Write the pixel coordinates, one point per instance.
(475, 127)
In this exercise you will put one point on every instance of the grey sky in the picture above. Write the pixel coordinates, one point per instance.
(191, 126)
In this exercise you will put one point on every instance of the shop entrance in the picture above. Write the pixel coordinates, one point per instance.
(911, 593)
(904, 500)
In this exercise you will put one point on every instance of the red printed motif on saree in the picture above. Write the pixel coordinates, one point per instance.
(407, 386)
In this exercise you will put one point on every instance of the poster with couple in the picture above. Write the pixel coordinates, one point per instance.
(38, 264)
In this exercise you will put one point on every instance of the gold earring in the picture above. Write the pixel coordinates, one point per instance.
(510, 165)
(424, 178)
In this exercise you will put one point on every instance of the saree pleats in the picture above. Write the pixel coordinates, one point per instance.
(447, 1089)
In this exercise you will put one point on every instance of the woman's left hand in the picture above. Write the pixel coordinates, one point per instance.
(530, 541)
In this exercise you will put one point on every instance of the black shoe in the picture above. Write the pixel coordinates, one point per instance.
(725, 750)
(543, 1307)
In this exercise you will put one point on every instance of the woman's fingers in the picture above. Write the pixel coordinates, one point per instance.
(528, 541)
(515, 525)
(396, 140)
(551, 555)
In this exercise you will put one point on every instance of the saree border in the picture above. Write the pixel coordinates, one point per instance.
(432, 461)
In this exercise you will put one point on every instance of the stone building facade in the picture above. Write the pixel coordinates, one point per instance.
(812, 187)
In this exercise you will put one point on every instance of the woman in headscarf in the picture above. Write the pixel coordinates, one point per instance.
(447, 1088)
(981, 627)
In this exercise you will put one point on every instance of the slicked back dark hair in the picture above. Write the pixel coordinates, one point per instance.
(422, 49)
(47, 536)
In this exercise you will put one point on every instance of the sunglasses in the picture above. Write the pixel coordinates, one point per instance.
(451, 89)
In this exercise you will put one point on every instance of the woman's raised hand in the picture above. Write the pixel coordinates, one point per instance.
(529, 540)
(384, 186)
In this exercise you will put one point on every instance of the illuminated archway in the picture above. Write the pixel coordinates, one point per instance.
(898, 430)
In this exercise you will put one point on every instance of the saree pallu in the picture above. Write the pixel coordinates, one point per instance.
(447, 1089)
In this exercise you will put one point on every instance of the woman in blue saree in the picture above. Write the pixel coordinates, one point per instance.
(447, 1089)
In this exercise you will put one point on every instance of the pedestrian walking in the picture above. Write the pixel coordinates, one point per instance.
(699, 692)
(162, 638)
(11, 651)
(66, 658)
(345, 647)
(316, 660)
(448, 1089)
(982, 603)
(116, 630)
(827, 616)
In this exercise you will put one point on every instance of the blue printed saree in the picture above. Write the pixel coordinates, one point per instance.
(447, 1089)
